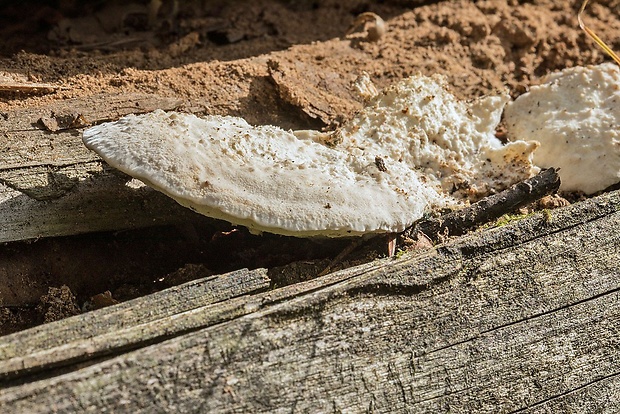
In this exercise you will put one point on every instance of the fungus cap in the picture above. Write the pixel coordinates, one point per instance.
(381, 178)
(575, 115)
(264, 178)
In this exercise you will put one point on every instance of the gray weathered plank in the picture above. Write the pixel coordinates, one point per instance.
(600, 396)
(125, 325)
(102, 203)
(51, 185)
(520, 317)
(26, 142)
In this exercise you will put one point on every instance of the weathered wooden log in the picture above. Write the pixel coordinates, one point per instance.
(51, 185)
(519, 318)
(125, 326)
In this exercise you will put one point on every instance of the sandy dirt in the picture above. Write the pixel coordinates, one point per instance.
(288, 63)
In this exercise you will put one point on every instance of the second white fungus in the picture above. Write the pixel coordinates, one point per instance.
(575, 115)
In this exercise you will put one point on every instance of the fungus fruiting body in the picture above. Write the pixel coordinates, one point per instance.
(575, 115)
(414, 148)
(451, 143)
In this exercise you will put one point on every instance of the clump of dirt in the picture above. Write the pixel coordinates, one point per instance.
(58, 303)
(288, 63)
(481, 47)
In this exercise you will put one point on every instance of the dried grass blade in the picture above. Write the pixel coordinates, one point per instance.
(593, 35)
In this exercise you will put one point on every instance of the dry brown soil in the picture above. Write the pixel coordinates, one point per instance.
(288, 63)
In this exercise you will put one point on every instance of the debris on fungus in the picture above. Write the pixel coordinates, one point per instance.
(414, 148)
(575, 115)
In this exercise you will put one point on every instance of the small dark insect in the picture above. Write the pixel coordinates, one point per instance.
(380, 164)
(327, 205)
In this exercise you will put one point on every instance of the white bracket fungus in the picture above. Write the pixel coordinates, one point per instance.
(450, 144)
(575, 115)
(415, 147)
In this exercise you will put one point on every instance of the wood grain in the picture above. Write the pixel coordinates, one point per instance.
(127, 325)
(51, 185)
(523, 317)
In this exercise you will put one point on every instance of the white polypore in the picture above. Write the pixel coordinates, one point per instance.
(575, 115)
(406, 153)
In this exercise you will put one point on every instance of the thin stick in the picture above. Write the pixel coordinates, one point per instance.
(490, 208)
(33, 88)
(593, 35)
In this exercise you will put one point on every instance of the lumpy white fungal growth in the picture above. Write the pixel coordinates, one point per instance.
(450, 142)
(400, 157)
(575, 115)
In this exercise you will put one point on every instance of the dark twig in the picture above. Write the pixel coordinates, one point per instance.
(490, 208)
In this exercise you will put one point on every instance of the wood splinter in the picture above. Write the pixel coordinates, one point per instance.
(489, 208)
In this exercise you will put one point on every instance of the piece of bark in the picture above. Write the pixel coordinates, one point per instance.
(319, 93)
(517, 318)
(490, 208)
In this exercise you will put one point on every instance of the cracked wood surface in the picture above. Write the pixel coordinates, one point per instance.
(521, 318)
(128, 325)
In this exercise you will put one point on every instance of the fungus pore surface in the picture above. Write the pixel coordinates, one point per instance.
(414, 148)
